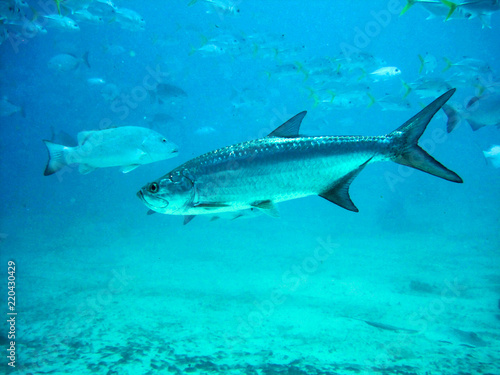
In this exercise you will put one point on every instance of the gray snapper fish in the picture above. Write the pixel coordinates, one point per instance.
(284, 166)
(127, 147)
(480, 111)
(66, 62)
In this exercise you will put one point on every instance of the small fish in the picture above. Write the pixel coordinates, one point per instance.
(71, 6)
(493, 156)
(430, 87)
(211, 48)
(220, 6)
(96, 81)
(102, 7)
(386, 327)
(388, 71)
(165, 92)
(85, 15)
(393, 103)
(66, 62)
(127, 147)
(159, 119)
(24, 27)
(468, 64)
(359, 61)
(343, 99)
(129, 19)
(480, 111)
(289, 70)
(61, 22)
(359, 99)
(8, 109)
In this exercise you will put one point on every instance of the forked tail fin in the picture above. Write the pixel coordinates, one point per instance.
(453, 117)
(406, 150)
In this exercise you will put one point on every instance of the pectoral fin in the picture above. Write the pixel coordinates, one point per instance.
(210, 205)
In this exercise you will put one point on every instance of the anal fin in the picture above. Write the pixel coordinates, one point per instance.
(188, 218)
(339, 192)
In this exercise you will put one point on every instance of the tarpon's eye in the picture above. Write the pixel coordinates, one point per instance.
(164, 140)
(153, 187)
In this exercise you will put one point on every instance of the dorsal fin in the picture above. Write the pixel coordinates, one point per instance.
(289, 129)
(83, 136)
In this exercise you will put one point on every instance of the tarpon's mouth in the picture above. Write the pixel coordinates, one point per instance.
(152, 202)
(141, 196)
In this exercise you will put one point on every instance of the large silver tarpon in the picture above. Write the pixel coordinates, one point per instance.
(284, 165)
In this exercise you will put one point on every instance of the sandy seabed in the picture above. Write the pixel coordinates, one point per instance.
(219, 298)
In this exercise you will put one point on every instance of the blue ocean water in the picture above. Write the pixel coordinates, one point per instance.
(409, 285)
